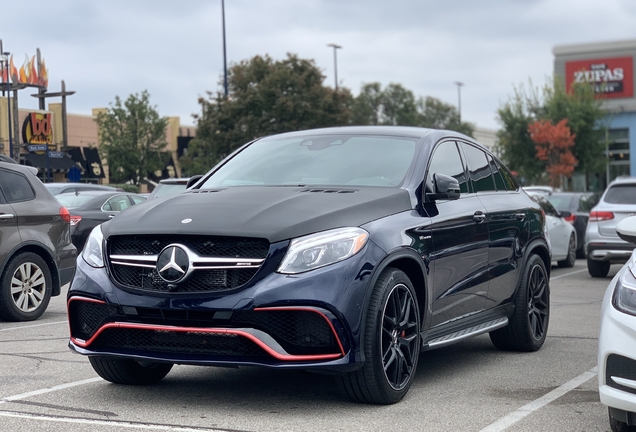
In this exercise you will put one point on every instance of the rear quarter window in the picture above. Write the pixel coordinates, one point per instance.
(621, 194)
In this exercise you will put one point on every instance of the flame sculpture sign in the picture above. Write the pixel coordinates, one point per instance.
(32, 73)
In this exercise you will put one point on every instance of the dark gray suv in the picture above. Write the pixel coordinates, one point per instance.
(36, 254)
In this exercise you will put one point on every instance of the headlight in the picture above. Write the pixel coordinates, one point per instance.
(625, 292)
(93, 253)
(321, 249)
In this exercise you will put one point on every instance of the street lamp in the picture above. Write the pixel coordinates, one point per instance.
(5, 58)
(335, 61)
(224, 50)
(459, 85)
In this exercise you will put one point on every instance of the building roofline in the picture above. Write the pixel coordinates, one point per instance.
(585, 48)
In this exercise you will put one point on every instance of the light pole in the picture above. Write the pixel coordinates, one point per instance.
(459, 85)
(224, 50)
(5, 57)
(335, 61)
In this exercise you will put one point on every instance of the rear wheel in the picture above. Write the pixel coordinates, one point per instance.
(127, 371)
(598, 269)
(391, 343)
(571, 258)
(528, 325)
(25, 288)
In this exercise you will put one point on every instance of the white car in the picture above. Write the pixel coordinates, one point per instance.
(561, 233)
(617, 340)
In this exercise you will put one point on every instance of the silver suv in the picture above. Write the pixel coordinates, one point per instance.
(602, 244)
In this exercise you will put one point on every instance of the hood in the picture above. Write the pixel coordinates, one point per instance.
(273, 213)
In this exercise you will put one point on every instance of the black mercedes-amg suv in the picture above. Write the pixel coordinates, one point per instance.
(344, 250)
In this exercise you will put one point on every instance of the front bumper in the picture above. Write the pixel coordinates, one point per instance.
(309, 320)
(617, 357)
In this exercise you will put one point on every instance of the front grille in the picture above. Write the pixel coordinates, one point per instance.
(621, 367)
(146, 277)
(298, 332)
(184, 343)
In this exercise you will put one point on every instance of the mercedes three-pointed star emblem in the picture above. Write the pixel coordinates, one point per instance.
(173, 263)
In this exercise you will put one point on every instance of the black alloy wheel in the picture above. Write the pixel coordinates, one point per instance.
(528, 325)
(391, 342)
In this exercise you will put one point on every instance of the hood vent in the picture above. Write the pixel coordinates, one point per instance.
(330, 191)
(204, 191)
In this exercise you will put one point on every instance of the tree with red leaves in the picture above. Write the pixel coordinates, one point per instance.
(553, 144)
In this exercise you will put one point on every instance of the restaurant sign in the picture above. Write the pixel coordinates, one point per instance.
(37, 129)
(609, 77)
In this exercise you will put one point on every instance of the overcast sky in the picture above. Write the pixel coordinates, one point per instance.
(174, 49)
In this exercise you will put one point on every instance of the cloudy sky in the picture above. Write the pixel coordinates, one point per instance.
(174, 49)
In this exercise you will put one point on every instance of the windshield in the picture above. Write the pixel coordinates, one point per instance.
(164, 189)
(621, 194)
(345, 160)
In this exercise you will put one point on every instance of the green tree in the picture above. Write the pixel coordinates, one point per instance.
(552, 102)
(133, 137)
(395, 105)
(265, 97)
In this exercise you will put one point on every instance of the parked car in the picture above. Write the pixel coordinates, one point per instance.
(561, 233)
(90, 208)
(169, 186)
(578, 205)
(547, 190)
(343, 250)
(617, 340)
(60, 188)
(36, 254)
(602, 245)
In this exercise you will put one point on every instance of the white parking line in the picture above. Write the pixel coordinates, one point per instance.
(118, 424)
(536, 404)
(34, 325)
(48, 390)
(567, 274)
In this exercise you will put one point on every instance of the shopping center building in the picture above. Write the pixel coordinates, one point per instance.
(609, 67)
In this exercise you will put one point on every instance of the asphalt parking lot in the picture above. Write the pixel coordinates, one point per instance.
(465, 387)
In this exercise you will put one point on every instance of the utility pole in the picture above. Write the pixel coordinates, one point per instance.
(335, 61)
(459, 85)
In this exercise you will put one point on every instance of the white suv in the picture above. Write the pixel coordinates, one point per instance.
(602, 244)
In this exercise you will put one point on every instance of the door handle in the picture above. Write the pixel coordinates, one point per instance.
(479, 217)
(110, 216)
(6, 216)
(520, 216)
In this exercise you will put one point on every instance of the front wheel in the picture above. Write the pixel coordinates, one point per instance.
(619, 426)
(391, 342)
(528, 325)
(570, 260)
(25, 288)
(127, 371)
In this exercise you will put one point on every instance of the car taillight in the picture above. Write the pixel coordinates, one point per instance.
(570, 218)
(598, 216)
(65, 214)
(75, 220)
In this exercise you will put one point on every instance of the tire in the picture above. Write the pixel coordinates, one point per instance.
(528, 326)
(391, 343)
(25, 288)
(571, 258)
(598, 269)
(130, 372)
(619, 426)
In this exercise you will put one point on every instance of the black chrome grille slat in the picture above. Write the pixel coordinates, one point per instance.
(222, 263)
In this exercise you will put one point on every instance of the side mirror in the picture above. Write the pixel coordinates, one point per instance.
(626, 229)
(565, 214)
(192, 181)
(444, 188)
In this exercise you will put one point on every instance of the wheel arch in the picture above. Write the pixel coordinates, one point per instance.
(412, 264)
(540, 248)
(43, 253)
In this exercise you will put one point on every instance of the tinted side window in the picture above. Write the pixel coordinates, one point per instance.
(509, 180)
(496, 173)
(446, 160)
(16, 187)
(480, 175)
